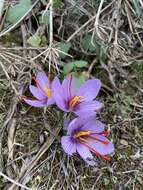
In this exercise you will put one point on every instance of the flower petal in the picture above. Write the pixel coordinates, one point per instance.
(103, 149)
(66, 122)
(89, 89)
(93, 125)
(69, 87)
(86, 109)
(35, 103)
(50, 101)
(57, 94)
(74, 126)
(36, 92)
(85, 154)
(43, 80)
(68, 146)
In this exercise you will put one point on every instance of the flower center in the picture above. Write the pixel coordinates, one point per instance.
(81, 133)
(85, 136)
(74, 101)
(88, 138)
(48, 92)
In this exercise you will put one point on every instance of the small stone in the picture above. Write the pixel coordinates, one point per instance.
(124, 142)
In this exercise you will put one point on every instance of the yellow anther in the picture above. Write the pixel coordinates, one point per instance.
(82, 139)
(82, 133)
(75, 100)
(48, 92)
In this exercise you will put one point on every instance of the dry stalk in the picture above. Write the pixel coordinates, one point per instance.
(96, 23)
(37, 157)
(15, 182)
(50, 35)
(117, 23)
(79, 29)
(10, 144)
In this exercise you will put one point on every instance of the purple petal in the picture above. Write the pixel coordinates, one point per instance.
(103, 149)
(43, 80)
(68, 146)
(36, 92)
(50, 101)
(58, 95)
(69, 87)
(66, 122)
(93, 125)
(35, 103)
(85, 154)
(74, 126)
(89, 89)
(86, 109)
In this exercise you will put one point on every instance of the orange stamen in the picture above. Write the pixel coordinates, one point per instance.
(88, 135)
(36, 81)
(83, 136)
(48, 92)
(104, 133)
(27, 98)
(22, 97)
(96, 152)
(50, 77)
(82, 139)
(97, 139)
(74, 101)
(82, 133)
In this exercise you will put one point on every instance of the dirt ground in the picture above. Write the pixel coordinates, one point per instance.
(47, 35)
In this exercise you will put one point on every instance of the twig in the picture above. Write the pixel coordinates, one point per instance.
(43, 149)
(51, 24)
(86, 23)
(50, 34)
(14, 182)
(117, 23)
(10, 113)
(97, 22)
(81, 8)
(91, 67)
(10, 143)
(129, 19)
(77, 31)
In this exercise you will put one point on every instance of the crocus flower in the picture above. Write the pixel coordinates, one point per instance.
(42, 91)
(80, 101)
(85, 136)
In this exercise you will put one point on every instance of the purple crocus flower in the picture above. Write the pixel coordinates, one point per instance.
(42, 91)
(80, 101)
(85, 136)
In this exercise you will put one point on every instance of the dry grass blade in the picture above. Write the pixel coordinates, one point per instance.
(14, 182)
(37, 157)
(96, 23)
(8, 118)
(10, 143)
